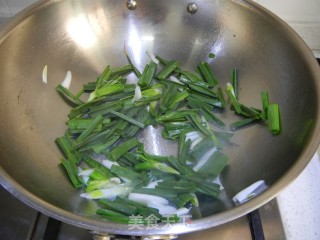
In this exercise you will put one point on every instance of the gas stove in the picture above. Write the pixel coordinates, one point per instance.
(18, 221)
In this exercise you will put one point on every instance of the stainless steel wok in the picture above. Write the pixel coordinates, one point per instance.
(85, 35)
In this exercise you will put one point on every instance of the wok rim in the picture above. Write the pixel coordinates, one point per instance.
(200, 224)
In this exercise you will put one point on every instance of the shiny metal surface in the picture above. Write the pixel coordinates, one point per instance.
(271, 222)
(83, 36)
(192, 8)
(132, 4)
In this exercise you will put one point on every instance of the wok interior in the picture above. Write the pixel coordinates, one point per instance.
(85, 36)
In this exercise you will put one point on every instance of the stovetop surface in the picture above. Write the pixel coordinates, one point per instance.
(18, 221)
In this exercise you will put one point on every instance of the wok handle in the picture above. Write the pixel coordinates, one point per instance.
(106, 236)
(192, 8)
(101, 236)
(159, 237)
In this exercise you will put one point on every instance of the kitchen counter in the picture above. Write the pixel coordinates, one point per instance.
(299, 204)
